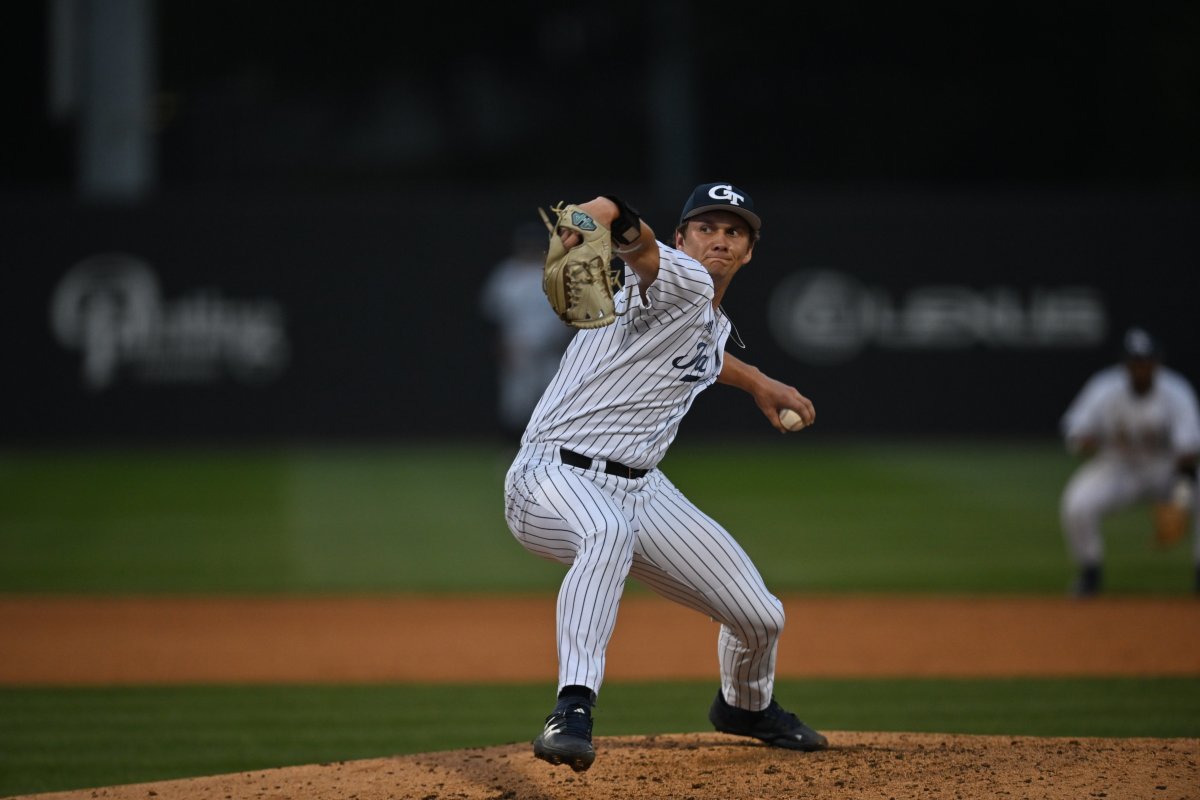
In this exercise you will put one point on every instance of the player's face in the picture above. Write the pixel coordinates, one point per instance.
(719, 240)
(1141, 374)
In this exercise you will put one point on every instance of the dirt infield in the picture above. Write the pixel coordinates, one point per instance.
(279, 640)
(455, 639)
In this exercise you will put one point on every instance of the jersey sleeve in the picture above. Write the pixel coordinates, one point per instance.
(1082, 418)
(682, 284)
(1185, 417)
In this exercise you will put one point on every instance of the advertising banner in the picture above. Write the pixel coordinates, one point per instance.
(253, 318)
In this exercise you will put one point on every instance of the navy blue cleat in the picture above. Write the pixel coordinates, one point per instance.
(1089, 581)
(772, 725)
(567, 736)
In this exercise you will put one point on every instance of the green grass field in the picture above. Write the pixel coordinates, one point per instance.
(961, 517)
(948, 517)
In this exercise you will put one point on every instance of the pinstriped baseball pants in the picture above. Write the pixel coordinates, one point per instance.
(607, 528)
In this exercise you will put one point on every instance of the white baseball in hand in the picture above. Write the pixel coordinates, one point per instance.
(791, 420)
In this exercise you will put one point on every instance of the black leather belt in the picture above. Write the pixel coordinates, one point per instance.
(611, 467)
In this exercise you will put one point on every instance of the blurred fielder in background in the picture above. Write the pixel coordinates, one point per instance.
(1138, 424)
(531, 338)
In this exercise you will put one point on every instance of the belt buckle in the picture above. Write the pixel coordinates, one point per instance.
(621, 470)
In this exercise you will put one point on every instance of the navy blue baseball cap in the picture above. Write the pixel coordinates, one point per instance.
(720, 197)
(1138, 343)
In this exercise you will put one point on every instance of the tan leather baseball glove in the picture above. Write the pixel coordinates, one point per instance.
(1173, 516)
(1170, 523)
(579, 282)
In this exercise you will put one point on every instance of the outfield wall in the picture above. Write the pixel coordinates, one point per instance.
(356, 316)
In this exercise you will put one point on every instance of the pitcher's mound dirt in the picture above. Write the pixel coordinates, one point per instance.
(902, 766)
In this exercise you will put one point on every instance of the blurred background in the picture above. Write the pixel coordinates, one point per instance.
(246, 221)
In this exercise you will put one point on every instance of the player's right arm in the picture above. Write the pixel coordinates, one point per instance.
(1081, 424)
(771, 396)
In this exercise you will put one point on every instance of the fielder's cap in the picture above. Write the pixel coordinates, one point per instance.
(1137, 343)
(720, 197)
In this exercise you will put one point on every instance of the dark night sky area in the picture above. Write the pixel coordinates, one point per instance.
(317, 95)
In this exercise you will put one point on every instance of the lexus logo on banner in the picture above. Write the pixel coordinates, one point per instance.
(830, 317)
(110, 309)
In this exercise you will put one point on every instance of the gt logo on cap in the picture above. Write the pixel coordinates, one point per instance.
(725, 192)
(720, 197)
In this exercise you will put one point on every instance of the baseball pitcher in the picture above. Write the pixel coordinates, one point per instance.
(585, 489)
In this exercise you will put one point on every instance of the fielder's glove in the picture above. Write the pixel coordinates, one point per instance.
(1173, 516)
(579, 282)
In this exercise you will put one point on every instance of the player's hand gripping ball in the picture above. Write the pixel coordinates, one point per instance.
(791, 420)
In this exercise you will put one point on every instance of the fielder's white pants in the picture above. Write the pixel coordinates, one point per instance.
(607, 528)
(1105, 485)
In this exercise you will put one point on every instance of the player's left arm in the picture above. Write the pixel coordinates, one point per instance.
(641, 256)
(1185, 428)
(771, 396)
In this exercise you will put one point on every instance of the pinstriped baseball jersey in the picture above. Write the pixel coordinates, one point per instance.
(1161, 424)
(621, 391)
